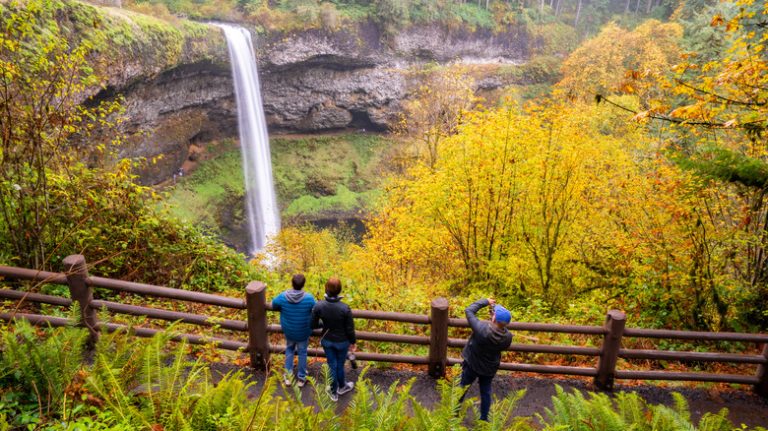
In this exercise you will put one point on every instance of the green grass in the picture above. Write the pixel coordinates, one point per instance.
(313, 175)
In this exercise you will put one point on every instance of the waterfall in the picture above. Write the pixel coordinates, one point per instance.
(261, 205)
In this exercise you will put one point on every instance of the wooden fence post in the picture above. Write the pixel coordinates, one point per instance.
(762, 375)
(77, 274)
(438, 338)
(258, 342)
(606, 366)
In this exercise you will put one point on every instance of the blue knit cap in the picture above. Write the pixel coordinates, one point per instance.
(502, 314)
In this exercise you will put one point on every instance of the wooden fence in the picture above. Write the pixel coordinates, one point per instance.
(257, 327)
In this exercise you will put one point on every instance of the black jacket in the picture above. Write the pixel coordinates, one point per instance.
(336, 317)
(483, 350)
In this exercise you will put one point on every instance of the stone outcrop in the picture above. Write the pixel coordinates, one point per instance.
(311, 81)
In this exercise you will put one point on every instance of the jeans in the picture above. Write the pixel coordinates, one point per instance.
(467, 377)
(336, 353)
(300, 347)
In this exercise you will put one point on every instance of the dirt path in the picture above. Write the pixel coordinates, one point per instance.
(744, 407)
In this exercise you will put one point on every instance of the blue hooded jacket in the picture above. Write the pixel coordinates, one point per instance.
(295, 307)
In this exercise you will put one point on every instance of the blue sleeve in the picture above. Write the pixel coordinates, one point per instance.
(474, 322)
(277, 303)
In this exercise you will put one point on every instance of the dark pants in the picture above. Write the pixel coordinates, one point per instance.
(336, 354)
(468, 375)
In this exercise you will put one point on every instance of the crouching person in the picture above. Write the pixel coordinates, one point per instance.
(482, 354)
(338, 335)
(295, 307)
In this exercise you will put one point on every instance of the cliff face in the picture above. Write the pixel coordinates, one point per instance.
(311, 81)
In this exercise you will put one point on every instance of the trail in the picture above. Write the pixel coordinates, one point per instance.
(744, 407)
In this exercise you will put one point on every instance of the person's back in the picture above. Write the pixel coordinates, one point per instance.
(337, 320)
(295, 307)
(484, 347)
(338, 335)
(482, 354)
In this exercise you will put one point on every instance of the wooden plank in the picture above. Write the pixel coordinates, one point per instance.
(258, 341)
(691, 356)
(692, 335)
(32, 275)
(37, 319)
(761, 387)
(23, 297)
(365, 356)
(77, 273)
(606, 365)
(538, 348)
(221, 343)
(689, 377)
(538, 327)
(173, 316)
(541, 369)
(438, 338)
(391, 316)
(167, 292)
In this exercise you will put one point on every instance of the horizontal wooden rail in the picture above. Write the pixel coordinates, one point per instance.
(166, 292)
(39, 298)
(537, 348)
(435, 332)
(32, 275)
(692, 335)
(173, 316)
(689, 377)
(363, 356)
(543, 369)
(539, 327)
(221, 343)
(39, 320)
(660, 355)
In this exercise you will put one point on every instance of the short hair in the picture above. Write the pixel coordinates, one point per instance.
(333, 286)
(298, 281)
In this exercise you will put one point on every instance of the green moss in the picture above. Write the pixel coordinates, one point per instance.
(313, 175)
(344, 200)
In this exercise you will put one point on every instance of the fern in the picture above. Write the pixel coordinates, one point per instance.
(43, 366)
(500, 417)
(448, 414)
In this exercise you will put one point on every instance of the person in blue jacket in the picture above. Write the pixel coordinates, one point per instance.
(295, 307)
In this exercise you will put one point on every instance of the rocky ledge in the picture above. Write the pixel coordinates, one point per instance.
(315, 80)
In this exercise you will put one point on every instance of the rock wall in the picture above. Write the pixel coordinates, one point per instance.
(311, 81)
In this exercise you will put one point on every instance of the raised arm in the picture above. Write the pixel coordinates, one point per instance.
(471, 312)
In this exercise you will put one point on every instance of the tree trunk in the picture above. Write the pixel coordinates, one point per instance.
(578, 14)
(626, 7)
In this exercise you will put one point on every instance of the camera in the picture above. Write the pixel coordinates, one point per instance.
(352, 360)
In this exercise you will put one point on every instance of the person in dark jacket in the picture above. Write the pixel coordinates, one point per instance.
(482, 354)
(295, 307)
(338, 334)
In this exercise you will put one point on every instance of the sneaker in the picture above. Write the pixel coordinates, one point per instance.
(301, 383)
(333, 395)
(346, 388)
(287, 380)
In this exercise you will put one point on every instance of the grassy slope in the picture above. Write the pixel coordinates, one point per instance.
(314, 176)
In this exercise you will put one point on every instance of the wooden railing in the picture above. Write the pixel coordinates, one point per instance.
(257, 328)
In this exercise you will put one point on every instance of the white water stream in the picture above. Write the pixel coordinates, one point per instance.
(261, 204)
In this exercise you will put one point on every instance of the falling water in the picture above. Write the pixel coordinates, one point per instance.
(263, 217)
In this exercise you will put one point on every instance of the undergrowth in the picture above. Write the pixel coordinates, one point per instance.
(135, 384)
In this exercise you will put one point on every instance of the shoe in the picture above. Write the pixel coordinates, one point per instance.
(333, 395)
(346, 388)
(287, 381)
(301, 383)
